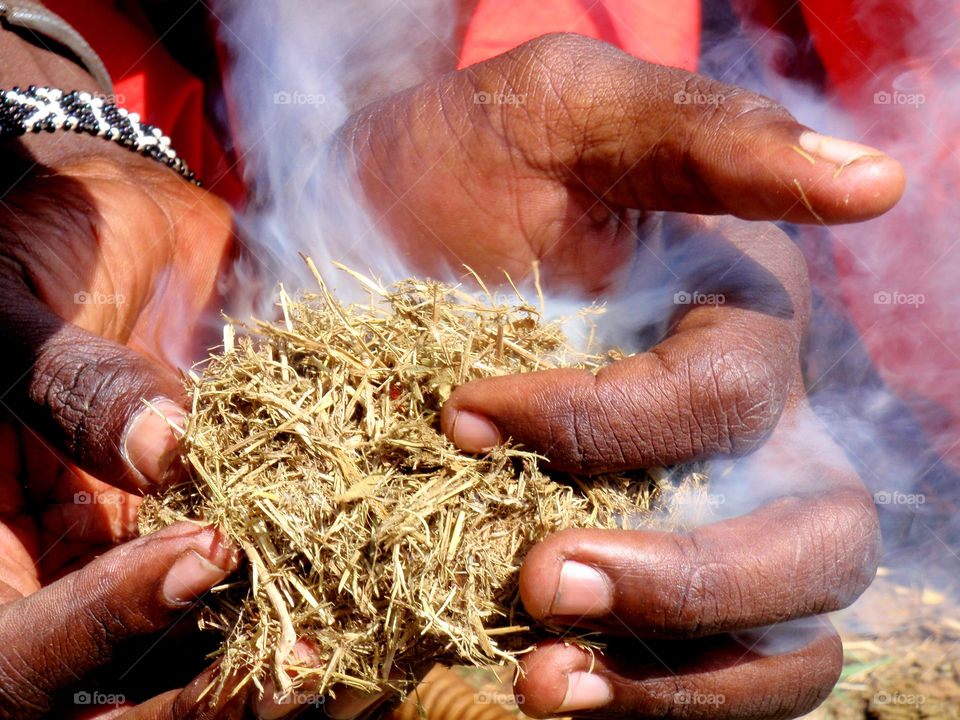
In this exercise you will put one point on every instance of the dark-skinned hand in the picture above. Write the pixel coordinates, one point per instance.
(557, 152)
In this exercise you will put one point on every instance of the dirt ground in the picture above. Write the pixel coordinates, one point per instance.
(902, 653)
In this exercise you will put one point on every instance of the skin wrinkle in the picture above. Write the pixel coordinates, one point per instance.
(601, 431)
(103, 381)
(68, 391)
(49, 384)
(16, 689)
(691, 178)
(25, 254)
(687, 550)
(622, 398)
(759, 389)
(576, 424)
(701, 439)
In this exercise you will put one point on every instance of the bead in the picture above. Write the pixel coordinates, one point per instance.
(37, 109)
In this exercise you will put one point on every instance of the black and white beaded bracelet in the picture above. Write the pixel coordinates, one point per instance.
(40, 108)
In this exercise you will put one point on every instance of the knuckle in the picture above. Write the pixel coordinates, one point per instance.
(710, 595)
(599, 429)
(749, 392)
(105, 610)
(846, 536)
(104, 622)
(712, 599)
(559, 47)
(740, 104)
(75, 380)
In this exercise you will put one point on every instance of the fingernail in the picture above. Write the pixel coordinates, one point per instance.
(585, 691)
(189, 577)
(474, 433)
(349, 703)
(836, 150)
(583, 591)
(149, 443)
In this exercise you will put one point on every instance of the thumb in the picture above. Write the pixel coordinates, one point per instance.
(86, 394)
(646, 136)
(56, 636)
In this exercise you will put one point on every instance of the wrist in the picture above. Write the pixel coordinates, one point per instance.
(25, 63)
(22, 63)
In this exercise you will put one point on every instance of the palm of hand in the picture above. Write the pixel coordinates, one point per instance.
(123, 246)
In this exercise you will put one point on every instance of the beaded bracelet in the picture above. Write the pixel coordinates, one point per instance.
(41, 108)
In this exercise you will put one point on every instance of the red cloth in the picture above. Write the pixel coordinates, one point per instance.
(853, 41)
(664, 33)
(151, 83)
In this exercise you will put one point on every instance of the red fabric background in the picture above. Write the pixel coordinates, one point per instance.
(151, 83)
(664, 33)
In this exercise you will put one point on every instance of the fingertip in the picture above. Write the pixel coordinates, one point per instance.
(552, 585)
(151, 439)
(540, 578)
(196, 559)
(561, 678)
(469, 431)
(880, 182)
(189, 577)
(843, 181)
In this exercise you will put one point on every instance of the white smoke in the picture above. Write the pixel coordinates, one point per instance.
(297, 70)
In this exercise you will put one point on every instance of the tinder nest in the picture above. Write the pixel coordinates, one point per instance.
(315, 444)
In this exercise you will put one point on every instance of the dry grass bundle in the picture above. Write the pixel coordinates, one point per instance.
(316, 447)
